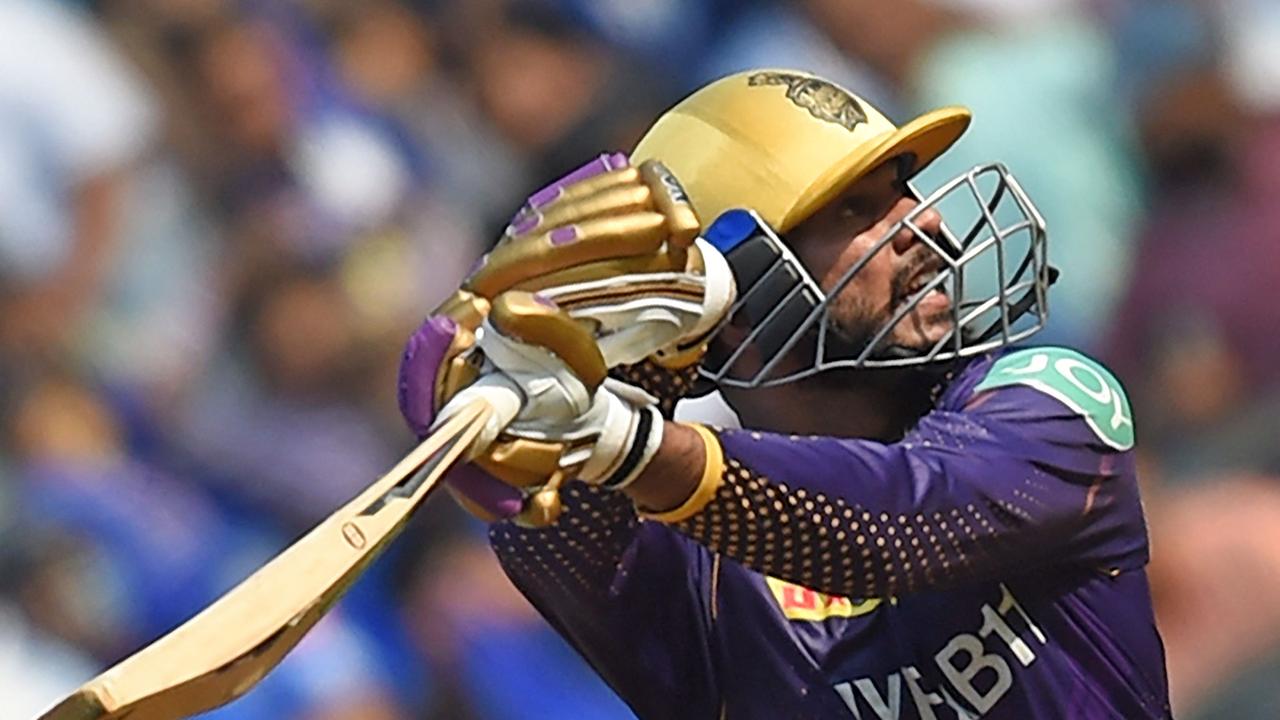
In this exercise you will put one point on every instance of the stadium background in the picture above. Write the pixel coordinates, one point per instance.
(219, 221)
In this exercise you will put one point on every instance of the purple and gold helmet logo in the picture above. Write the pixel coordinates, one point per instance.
(823, 100)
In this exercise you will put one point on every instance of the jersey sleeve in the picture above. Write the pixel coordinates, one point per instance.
(668, 385)
(1013, 479)
(631, 596)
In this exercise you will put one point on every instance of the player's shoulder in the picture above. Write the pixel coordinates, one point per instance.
(1049, 379)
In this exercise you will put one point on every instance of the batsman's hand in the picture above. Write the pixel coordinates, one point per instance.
(611, 252)
(575, 421)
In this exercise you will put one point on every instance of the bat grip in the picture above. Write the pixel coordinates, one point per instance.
(499, 393)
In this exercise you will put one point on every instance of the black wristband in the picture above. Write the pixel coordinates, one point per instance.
(634, 453)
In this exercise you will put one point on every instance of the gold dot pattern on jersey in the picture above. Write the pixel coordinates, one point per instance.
(836, 547)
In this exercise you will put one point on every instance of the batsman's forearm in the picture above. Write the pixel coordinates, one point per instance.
(859, 518)
(674, 473)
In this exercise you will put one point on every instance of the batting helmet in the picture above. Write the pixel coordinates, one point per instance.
(758, 152)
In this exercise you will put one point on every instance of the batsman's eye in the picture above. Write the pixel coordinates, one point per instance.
(856, 208)
(867, 208)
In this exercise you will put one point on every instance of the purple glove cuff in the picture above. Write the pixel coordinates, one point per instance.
(418, 369)
(419, 366)
(494, 496)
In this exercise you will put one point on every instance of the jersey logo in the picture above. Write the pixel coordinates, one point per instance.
(800, 603)
(1076, 381)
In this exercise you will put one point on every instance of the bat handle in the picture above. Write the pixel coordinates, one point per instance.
(499, 393)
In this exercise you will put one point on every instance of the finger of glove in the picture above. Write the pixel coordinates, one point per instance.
(670, 199)
(483, 495)
(599, 165)
(510, 461)
(521, 224)
(534, 320)
(492, 500)
(465, 308)
(510, 264)
(617, 199)
(419, 368)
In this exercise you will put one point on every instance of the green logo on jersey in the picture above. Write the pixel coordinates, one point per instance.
(1074, 380)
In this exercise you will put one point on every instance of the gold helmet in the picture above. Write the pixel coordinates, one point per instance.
(761, 151)
(784, 143)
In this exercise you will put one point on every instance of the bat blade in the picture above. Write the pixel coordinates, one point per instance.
(223, 651)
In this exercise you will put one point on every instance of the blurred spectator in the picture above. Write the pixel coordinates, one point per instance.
(1211, 541)
(1196, 343)
(667, 34)
(73, 120)
(1191, 333)
(304, 161)
(281, 419)
(556, 93)
(773, 35)
(157, 320)
(395, 61)
(99, 237)
(122, 552)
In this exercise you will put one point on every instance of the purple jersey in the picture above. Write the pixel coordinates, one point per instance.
(988, 565)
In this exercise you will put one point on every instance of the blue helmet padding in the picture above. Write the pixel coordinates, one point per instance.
(730, 229)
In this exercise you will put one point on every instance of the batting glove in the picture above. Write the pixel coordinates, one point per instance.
(610, 247)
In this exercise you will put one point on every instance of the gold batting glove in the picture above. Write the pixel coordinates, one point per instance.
(617, 251)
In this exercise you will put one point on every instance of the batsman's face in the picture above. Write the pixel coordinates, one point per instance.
(849, 228)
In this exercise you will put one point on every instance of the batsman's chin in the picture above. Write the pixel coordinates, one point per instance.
(922, 332)
(935, 304)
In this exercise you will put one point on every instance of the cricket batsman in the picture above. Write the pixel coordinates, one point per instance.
(919, 518)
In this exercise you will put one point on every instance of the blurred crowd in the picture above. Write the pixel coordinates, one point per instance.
(220, 219)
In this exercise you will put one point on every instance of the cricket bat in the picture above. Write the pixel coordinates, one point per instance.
(222, 652)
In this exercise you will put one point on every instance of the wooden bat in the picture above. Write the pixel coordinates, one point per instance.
(218, 655)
